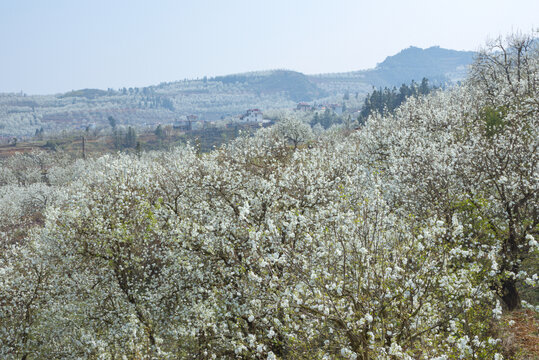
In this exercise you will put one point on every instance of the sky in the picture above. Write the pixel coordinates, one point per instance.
(52, 46)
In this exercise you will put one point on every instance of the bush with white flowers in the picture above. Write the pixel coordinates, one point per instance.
(401, 240)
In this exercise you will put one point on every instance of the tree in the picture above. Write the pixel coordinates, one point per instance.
(293, 130)
(424, 87)
(252, 250)
(118, 138)
(387, 100)
(506, 73)
(130, 138)
(138, 149)
(112, 122)
(159, 132)
(39, 133)
(470, 155)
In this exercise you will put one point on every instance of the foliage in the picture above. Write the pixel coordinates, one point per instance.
(326, 119)
(112, 122)
(130, 138)
(387, 100)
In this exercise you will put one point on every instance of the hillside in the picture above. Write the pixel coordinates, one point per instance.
(437, 64)
(85, 93)
(292, 84)
(219, 97)
(440, 66)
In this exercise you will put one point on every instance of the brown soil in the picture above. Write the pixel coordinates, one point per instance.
(520, 335)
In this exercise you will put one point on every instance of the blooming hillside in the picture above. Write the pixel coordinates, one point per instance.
(405, 239)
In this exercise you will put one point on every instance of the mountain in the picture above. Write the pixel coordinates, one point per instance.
(222, 96)
(440, 66)
(437, 64)
(292, 84)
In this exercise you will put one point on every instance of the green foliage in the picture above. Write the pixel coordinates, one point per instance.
(112, 122)
(53, 144)
(39, 133)
(530, 264)
(387, 100)
(159, 132)
(493, 119)
(130, 138)
(326, 119)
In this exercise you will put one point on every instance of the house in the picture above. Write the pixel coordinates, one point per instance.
(252, 115)
(188, 123)
(183, 125)
(336, 108)
(303, 106)
(197, 125)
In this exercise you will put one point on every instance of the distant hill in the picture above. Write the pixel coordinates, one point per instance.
(85, 93)
(223, 96)
(440, 66)
(294, 85)
(437, 64)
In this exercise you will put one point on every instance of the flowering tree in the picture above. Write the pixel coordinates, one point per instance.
(472, 153)
(396, 241)
(293, 130)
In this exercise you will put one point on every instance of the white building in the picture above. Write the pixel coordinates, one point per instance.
(252, 115)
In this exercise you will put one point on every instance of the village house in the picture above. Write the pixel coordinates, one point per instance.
(188, 123)
(336, 108)
(303, 106)
(252, 115)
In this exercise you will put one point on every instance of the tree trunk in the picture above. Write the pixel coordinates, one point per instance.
(510, 296)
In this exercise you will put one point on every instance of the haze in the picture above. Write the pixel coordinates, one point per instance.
(56, 46)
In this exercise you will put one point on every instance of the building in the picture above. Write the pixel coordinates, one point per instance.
(188, 123)
(183, 124)
(303, 106)
(252, 115)
(336, 108)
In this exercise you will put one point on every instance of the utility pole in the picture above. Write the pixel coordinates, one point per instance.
(84, 148)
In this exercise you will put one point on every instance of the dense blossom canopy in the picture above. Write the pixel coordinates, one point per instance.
(401, 240)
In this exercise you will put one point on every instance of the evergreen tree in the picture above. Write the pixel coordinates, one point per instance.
(424, 88)
(316, 119)
(130, 138)
(159, 132)
(387, 100)
(138, 149)
(112, 122)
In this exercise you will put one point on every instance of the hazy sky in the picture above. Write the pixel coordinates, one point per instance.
(50, 46)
